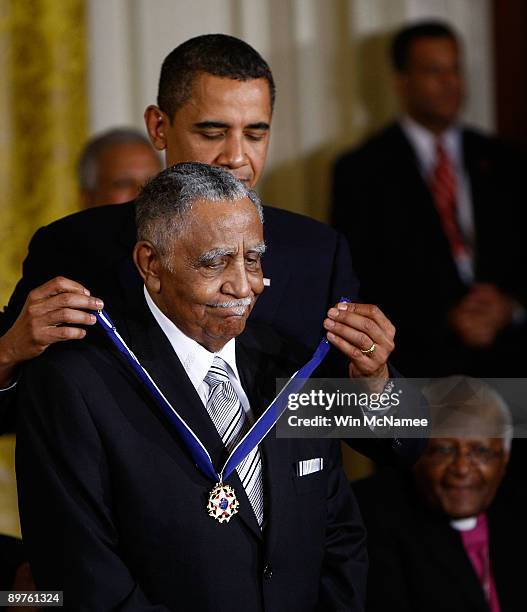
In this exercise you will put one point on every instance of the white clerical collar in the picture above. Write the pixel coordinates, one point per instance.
(465, 524)
(195, 358)
(424, 144)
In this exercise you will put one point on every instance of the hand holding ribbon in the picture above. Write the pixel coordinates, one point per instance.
(364, 334)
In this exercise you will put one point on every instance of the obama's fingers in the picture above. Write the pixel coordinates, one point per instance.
(62, 302)
(57, 285)
(361, 325)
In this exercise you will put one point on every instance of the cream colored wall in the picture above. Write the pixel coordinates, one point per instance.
(329, 61)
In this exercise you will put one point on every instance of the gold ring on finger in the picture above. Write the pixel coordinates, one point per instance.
(369, 351)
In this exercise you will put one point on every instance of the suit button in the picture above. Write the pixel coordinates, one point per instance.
(268, 572)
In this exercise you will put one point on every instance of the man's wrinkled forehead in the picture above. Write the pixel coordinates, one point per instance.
(219, 229)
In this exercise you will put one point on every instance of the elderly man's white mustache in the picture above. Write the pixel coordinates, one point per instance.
(239, 306)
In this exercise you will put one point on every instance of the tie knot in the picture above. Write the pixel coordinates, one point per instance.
(217, 373)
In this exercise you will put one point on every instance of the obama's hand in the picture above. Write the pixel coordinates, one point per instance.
(50, 314)
(364, 334)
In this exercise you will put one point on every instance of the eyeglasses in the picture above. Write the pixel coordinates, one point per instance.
(448, 453)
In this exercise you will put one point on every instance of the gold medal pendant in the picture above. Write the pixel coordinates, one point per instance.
(223, 504)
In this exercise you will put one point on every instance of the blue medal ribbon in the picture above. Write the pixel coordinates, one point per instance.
(255, 434)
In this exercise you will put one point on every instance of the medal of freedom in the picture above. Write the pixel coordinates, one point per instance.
(223, 504)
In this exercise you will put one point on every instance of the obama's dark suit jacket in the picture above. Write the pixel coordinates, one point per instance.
(113, 507)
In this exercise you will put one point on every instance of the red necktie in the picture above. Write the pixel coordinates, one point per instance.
(444, 189)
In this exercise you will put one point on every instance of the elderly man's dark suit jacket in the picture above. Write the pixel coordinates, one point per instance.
(417, 561)
(307, 261)
(113, 507)
(383, 205)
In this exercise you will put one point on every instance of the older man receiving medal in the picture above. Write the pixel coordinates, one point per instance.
(136, 490)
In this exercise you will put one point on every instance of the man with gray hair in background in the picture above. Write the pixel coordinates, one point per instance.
(132, 517)
(452, 536)
(114, 165)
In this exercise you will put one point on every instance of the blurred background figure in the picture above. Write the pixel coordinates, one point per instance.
(114, 165)
(449, 535)
(434, 213)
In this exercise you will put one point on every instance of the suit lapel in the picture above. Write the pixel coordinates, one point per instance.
(423, 217)
(153, 349)
(446, 549)
(278, 480)
(409, 173)
(258, 381)
(478, 167)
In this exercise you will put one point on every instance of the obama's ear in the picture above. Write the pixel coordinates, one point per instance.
(156, 122)
(147, 261)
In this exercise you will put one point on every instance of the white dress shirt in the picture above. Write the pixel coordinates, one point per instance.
(424, 145)
(197, 360)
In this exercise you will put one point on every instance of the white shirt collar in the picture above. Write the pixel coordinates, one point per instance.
(424, 143)
(195, 358)
(466, 524)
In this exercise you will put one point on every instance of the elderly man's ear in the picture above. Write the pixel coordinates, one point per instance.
(148, 262)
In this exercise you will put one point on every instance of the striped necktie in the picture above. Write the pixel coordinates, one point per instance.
(227, 414)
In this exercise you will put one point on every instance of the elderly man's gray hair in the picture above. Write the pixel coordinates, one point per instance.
(164, 201)
(89, 158)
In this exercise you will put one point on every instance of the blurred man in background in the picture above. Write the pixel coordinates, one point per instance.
(449, 535)
(434, 213)
(114, 165)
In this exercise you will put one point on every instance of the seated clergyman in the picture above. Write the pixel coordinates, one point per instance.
(449, 535)
(118, 509)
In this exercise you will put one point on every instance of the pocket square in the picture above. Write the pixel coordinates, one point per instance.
(309, 466)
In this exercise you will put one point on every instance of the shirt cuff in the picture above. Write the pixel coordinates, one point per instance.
(379, 410)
